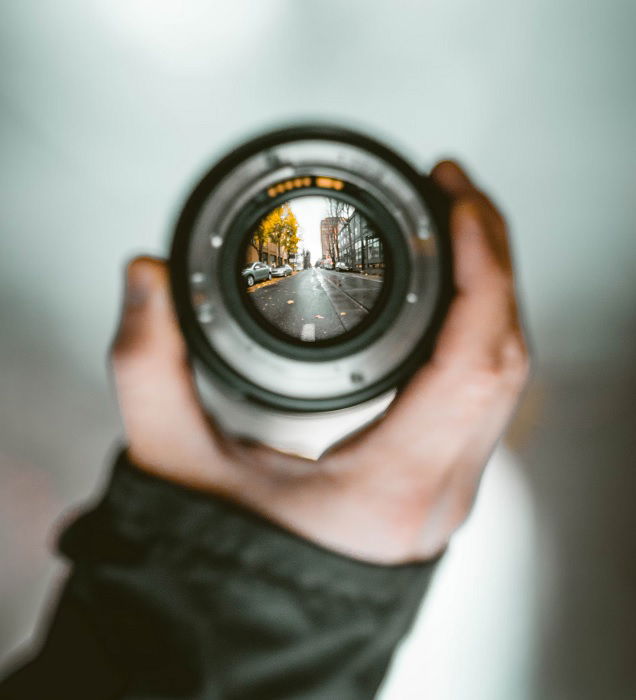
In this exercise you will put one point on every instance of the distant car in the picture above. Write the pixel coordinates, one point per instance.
(281, 271)
(328, 266)
(256, 272)
(342, 266)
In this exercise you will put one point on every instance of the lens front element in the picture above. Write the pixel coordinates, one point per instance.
(313, 269)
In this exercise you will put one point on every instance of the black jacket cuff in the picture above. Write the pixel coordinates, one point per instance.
(143, 517)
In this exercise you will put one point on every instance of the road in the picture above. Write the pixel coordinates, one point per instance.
(317, 304)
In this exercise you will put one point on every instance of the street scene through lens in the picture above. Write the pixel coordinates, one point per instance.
(314, 268)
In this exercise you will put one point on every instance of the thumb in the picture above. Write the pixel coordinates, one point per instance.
(147, 322)
(156, 395)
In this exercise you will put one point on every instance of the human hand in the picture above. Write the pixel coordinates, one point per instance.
(395, 492)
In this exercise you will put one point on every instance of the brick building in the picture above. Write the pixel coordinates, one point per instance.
(329, 228)
(269, 255)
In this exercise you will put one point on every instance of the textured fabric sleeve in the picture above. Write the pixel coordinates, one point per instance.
(178, 594)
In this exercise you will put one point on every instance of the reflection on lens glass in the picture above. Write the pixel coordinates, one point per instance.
(314, 268)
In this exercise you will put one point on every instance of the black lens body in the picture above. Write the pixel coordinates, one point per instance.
(214, 290)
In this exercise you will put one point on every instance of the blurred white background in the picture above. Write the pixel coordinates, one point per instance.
(112, 109)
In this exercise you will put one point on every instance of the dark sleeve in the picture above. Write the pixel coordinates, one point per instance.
(177, 594)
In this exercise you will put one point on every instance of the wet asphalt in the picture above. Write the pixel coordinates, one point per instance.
(317, 304)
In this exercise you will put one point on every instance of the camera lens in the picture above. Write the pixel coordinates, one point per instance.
(314, 269)
(311, 270)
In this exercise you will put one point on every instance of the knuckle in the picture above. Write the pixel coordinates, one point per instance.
(119, 355)
(479, 204)
(505, 369)
(516, 360)
(123, 352)
(469, 204)
(483, 383)
(117, 349)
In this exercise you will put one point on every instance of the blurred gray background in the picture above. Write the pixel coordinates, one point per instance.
(111, 109)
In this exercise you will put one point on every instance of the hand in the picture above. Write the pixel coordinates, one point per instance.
(393, 493)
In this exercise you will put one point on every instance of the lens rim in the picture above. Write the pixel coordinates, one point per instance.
(435, 203)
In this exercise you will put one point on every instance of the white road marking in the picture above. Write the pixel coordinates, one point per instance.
(308, 333)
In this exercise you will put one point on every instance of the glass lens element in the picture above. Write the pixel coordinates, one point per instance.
(313, 268)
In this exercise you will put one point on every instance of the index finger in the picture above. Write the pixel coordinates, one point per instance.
(455, 182)
(483, 316)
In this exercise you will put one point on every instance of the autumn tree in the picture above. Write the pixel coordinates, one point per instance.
(261, 236)
(291, 237)
(282, 229)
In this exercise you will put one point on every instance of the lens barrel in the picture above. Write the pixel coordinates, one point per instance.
(267, 328)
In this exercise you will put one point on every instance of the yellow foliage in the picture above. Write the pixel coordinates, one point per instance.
(280, 227)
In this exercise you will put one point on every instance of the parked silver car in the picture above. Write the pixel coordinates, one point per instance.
(281, 271)
(256, 272)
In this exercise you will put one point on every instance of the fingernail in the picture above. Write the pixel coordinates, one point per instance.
(137, 285)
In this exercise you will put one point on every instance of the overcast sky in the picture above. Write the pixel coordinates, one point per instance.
(310, 211)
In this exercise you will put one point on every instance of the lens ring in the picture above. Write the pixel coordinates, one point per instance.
(325, 382)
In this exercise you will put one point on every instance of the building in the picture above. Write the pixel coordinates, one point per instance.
(329, 228)
(269, 255)
(360, 247)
